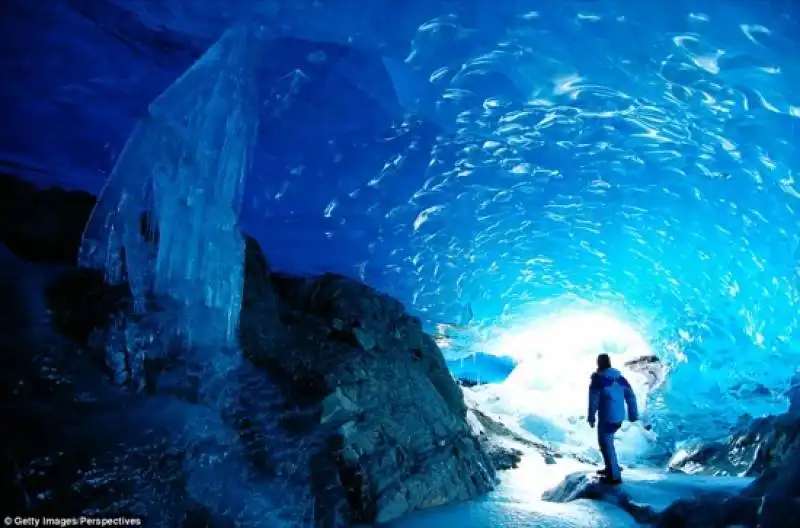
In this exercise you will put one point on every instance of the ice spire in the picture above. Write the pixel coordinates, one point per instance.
(167, 219)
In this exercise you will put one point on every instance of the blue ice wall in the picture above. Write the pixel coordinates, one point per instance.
(640, 156)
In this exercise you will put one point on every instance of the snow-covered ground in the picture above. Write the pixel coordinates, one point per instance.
(517, 500)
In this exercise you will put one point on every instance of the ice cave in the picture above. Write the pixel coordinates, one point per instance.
(326, 263)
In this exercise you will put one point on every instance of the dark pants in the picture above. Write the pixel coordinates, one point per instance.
(605, 439)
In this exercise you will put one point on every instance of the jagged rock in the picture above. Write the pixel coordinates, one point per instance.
(260, 308)
(769, 511)
(355, 305)
(42, 225)
(773, 436)
(711, 512)
(781, 478)
(505, 446)
(772, 500)
(338, 408)
(410, 446)
(365, 340)
(707, 458)
(755, 446)
(501, 444)
(584, 486)
(80, 301)
(503, 457)
(651, 368)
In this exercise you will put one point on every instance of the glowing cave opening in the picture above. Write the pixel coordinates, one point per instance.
(546, 393)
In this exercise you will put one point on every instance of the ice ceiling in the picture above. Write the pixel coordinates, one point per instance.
(636, 159)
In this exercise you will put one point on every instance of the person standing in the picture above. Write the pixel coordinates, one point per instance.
(609, 395)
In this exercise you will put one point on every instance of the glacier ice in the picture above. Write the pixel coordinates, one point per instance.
(166, 221)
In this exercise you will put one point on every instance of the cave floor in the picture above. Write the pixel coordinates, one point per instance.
(517, 502)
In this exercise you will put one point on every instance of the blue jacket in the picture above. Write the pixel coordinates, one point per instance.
(609, 393)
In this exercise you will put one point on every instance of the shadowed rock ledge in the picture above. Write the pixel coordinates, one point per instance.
(584, 486)
(767, 448)
(343, 396)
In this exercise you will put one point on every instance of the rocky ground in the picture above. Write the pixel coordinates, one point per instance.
(754, 446)
(767, 448)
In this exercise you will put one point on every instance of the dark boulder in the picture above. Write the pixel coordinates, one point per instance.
(768, 511)
(395, 421)
(585, 486)
(260, 309)
(503, 457)
(80, 301)
(781, 475)
(769, 448)
(42, 225)
(753, 447)
(370, 321)
(710, 512)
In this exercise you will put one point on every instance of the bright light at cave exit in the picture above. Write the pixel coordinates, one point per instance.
(548, 389)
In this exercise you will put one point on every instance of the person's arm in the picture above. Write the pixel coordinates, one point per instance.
(630, 400)
(594, 398)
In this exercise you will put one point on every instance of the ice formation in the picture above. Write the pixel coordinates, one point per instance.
(166, 221)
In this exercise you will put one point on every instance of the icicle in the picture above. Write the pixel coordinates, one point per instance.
(182, 170)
